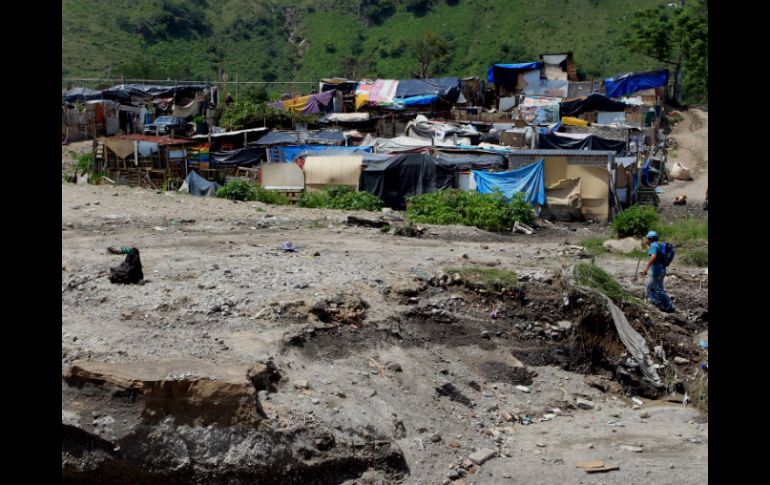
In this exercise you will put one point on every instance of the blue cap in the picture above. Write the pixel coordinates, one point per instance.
(652, 235)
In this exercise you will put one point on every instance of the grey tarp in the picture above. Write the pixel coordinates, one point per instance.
(446, 88)
(197, 185)
(321, 137)
(396, 178)
(470, 160)
(242, 157)
(633, 341)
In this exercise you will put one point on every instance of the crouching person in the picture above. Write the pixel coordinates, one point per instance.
(130, 270)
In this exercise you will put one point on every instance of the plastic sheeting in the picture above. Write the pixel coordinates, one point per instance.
(528, 180)
(447, 88)
(322, 171)
(633, 341)
(632, 82)
(401, 144)
(383, 91)
(197, 185)
(465, 160)
(290, 153)
(395, 179)
(243, 157)
(539, 111)
(508, 72)
(593, 102)
(416, 100)
(321, 137)
(554, 141)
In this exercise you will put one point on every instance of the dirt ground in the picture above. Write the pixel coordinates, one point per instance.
(385, 375)
(691, 137)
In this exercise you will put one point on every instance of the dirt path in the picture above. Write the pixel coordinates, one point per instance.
(691, 136)
(220, 291)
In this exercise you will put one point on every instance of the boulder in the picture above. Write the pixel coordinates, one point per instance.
(624, 246)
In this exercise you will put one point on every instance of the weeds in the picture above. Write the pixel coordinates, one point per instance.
(593, 276)
(491, 212)
(340, 197)
(242, 190)
(492, 278)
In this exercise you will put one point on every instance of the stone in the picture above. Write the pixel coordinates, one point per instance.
(633, 449)
(435, 438)
(681, 360)
(301, 384)
(482, 455)
(564, 324)
(585, 404)
(623, 246)
(644, 415)
(523, 389)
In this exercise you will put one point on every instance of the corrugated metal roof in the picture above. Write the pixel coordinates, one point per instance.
(562, 153)
(160, 140)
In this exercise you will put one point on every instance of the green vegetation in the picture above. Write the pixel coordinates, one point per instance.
(237, 190)
(690, 238)
(303, 40)
(493, 279)
(675, 34)
(340, 197)
(635, 221)
(593, 276)
(248, 114)
(491, 212)
(242, 190)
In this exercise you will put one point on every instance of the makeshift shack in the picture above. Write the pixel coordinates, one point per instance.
(144, 160)
(593, 168)
(323, 171)
(395, 179)
(284, 177)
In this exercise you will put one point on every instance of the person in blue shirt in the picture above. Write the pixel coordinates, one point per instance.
(656, 293)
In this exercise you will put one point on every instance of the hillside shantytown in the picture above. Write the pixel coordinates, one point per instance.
(437, 280)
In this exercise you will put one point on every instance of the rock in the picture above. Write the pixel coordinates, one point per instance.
(435, 438)
(301, 384)
(644, 415)
(482, 455)
(523, 389)
(540, 445)
(637, 401)
(314, 400)
(681, 360)
(633, 449)
(394, 367)
(316, 253)
(506, 416)
(623, 246)
(585, 404)
(564, 324)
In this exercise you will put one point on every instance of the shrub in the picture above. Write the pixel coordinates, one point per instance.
(491, 212)
(237, 190)
(635, 221)
(270, 196)
(343, 197)
(313, 200)
(696, 257)
(85, 163)
(356, 201)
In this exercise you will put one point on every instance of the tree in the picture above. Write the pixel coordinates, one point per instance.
(376, 11)
(675, 34)
(432, 53)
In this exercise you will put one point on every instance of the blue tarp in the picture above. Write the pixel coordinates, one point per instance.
(291, 152)
(632, 82)
(198, 185)
(416, 100)
(528, 180)
(513, 68)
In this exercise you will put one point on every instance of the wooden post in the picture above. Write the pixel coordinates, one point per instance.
(237, 85)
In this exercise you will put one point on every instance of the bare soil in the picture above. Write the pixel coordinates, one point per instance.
(384, 374)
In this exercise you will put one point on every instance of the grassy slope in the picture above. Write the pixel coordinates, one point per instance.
(92, 39)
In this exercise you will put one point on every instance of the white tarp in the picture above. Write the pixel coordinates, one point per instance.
(534, 86)
(348, 116)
